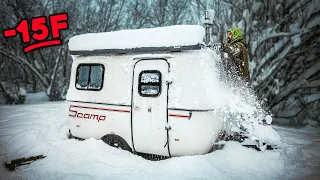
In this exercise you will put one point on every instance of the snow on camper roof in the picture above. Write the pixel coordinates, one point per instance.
(152, 38)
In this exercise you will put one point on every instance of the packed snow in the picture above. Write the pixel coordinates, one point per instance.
(179, 35)
(42, 129)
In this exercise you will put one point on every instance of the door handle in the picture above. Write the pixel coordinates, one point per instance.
(136, 108)
(167, 127)
(149, 109)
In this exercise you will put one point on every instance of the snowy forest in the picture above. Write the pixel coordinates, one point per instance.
(283, 38)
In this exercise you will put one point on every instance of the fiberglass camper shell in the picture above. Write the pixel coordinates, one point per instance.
(144, 90)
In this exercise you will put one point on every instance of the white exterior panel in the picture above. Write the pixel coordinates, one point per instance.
(194, 133)
(83, 122)
(117, 83)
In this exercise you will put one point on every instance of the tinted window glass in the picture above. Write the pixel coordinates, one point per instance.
(150, 83)
(96, 77)
(90, 77)
(150, 78)
(150, 89)
(83, 76)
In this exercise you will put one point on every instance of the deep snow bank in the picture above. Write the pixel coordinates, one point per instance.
(43, 128)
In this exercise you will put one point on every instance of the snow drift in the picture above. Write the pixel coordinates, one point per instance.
(179, 35)
(45, 128)
(46, 124)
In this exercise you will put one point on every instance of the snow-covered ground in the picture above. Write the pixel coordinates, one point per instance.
(32, 129)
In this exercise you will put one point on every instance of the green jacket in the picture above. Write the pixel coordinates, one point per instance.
(237, 52)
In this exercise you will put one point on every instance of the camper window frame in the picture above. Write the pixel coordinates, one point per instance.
(150, 83)
(89, 64)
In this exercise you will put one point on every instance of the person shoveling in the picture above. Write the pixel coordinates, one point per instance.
(235, 57)
(239, 125)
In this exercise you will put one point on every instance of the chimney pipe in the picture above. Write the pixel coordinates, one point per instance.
(207, 23)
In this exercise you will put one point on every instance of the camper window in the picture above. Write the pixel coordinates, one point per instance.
(150, 83)
(89, 77)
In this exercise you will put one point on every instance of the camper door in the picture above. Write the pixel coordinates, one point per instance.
(149, 107)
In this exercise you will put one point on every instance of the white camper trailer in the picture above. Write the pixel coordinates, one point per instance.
(144, 90)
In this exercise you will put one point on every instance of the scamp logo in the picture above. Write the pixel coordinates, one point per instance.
(74, 113)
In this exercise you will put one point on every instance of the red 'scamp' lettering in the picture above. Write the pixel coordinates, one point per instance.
(73, 113)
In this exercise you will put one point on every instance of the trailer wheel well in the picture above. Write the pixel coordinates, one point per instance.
(116, 141)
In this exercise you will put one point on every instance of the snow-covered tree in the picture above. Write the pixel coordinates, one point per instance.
(282, 36)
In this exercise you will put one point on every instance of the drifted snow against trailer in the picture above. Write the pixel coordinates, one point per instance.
(144, 90)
